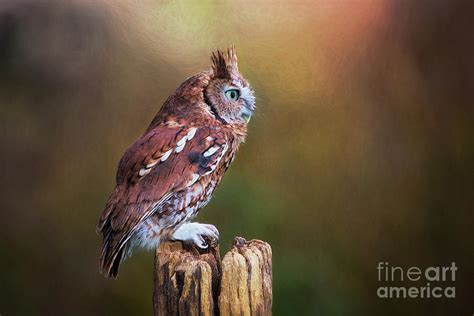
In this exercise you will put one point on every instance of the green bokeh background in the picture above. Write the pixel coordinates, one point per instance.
(361, 149)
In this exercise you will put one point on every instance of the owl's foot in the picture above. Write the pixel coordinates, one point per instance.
(203, 236)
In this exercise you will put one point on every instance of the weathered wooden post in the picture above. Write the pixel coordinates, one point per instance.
(190, 283)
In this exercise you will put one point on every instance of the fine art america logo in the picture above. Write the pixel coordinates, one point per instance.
(436, 282)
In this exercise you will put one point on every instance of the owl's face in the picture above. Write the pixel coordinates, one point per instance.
(228, 94)
(231, 100)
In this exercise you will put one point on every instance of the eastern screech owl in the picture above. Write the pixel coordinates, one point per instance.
(170, 172)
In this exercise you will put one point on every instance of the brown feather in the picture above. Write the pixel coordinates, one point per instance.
(156, 174)
(224, 64)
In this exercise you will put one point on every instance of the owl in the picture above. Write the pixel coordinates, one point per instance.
(168, 174)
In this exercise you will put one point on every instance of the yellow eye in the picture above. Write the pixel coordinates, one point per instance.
(232, 94)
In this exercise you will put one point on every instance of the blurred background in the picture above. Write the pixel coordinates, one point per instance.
(361, 150)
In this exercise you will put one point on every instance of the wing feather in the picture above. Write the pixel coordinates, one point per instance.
(159, 164)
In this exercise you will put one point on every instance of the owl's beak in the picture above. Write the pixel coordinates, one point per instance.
(246, 114)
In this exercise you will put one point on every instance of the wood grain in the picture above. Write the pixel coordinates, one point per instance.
(187, 282)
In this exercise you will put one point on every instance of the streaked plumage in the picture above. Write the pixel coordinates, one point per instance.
(170, 172)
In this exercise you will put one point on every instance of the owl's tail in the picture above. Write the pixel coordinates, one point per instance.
(110, 260)
(114, 252)
(114, 248)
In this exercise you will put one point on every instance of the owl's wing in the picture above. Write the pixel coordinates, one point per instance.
(165, 160)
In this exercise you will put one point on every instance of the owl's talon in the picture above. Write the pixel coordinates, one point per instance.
(203, 236)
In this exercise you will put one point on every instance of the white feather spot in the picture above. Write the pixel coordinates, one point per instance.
(191, 133)
(224, 149)
(166, 155)
(180, 144)
(210, 151)
(144, 172)
(194, 179)
(209, 138)
(182, 141)
(152, 164)
(180, 147)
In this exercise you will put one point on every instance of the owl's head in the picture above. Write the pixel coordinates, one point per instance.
(228, 93)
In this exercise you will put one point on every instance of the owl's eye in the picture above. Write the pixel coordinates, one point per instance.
(232, 94)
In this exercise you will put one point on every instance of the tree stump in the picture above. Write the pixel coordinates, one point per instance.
(187, 282)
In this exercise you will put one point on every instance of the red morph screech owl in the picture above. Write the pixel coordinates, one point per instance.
(171, 171)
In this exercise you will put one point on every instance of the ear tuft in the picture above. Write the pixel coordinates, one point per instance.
(223, 64)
